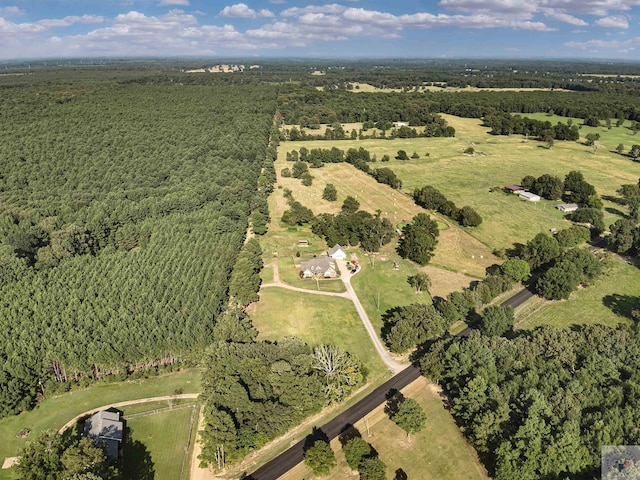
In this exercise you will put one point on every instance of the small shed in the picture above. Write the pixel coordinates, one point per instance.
(531, 197)
(517, 189)
(568, 207)
(337, 252)
(303, 243)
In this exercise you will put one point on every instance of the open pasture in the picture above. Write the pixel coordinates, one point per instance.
(608, 301)
(457, 250)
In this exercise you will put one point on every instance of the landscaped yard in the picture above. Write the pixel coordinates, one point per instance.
(158, 443)
(315, 319)
(54, 412)
(593, 304)
(436, 453)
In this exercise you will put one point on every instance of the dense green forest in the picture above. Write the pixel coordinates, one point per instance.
(122, 210)
(541, 404)
(299, 103)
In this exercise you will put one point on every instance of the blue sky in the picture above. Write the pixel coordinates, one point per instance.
(603, 29)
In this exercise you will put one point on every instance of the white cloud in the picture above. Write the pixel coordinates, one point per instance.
(614, 21)
(564, 17)
(242, 10)
(164, 3)
(332, 8)
(70, 20)
(614, 46)
(11, 10)
(524, 8)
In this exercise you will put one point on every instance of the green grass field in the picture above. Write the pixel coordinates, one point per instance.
(436, 453)
(467, 180)
(457, 250)
(54, 412)
(587, 305)
(157, 443)
(380, 287)
(315, 319)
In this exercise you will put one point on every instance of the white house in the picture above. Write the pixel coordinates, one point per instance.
(568, 207)
(531, 197)
(337, 252)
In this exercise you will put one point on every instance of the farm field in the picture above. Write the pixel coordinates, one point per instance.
(468, 180)
(156, 446)
(438, 452)
(54, 412)
(609, 138)
(456, 250)
(616, 291)
(315, 319)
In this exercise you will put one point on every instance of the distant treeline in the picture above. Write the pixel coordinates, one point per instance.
(297, 103)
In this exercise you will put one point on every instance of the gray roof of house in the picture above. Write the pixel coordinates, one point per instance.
(104, 426)
(335, 248)
(318, 265)
(565, 206)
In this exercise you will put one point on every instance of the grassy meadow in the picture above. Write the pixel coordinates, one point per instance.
(438, 452)
(159, 443)
(597, 303)
(472, 180)
(55, 411)
(457, 250)
(316, 319)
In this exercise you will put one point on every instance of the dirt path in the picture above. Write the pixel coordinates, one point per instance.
(197, 472)
(394, 366)
(124, 404)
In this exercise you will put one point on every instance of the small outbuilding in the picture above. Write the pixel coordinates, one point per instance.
(337, 252)
(517, 189)
(322, 266)
(303, 243)
(106, 428)
(568, 207)
(531, 197)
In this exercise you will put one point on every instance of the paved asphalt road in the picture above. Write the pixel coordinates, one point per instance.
(514, 301)
(289, 459)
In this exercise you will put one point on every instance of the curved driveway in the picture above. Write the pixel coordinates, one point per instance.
(124, 404)
(394, 366)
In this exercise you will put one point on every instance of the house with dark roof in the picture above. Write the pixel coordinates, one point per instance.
(337, 252)
(322, 266)
(517, 189)
(106, 428)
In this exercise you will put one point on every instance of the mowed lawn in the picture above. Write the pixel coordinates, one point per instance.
(54, 412)
(157, 444)
(457, 250)
(316, 319)
(438, 452)
(597, 303)
(380, 287)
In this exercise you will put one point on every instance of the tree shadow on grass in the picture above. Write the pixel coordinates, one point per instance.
(615, 211)
(136, 459)
(622, 305)
(394, 399)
